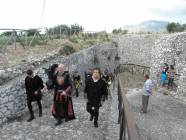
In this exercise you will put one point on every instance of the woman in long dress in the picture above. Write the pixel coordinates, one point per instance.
(62, 105)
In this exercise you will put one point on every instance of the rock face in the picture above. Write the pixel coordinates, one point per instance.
(170, 49)
(136, 49)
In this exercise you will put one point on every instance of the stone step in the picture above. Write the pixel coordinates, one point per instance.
(42, 128)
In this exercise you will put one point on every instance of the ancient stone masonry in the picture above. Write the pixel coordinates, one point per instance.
(153, 50)
(12, 93)
(150, 50)
(135, 49)
(170, 49)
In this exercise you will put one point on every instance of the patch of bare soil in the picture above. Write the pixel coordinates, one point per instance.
(13, 56)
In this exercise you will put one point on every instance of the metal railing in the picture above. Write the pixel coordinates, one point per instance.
(125, 119)
(122, 68)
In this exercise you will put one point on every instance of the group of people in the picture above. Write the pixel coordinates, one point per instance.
(167, 76)
(61, 83)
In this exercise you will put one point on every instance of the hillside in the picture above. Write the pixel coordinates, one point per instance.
(148, 26)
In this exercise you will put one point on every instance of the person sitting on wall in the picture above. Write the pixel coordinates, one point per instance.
(33, 85)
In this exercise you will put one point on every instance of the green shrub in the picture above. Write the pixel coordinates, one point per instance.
(74, 39)
(175, 27)
(67, 50)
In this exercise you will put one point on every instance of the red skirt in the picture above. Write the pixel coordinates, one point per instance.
(62, 107)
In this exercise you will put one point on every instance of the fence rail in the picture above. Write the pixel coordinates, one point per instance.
(127, 126)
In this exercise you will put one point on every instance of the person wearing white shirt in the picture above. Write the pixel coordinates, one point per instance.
(146, 93)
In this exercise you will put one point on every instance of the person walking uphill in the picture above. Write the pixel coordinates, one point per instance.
(146, 93)
(33, 85)
(77, 82)
(95, 88)
(62, 107)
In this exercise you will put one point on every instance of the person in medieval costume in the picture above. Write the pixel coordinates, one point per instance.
(33, 85)
(77, 82)
(95, 88)
(51, 73)
(107, 77)
(88, 75)
(62, 107)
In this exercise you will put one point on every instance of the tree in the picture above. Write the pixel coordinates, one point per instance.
(124, 31)
(184, 26)
(65, 29)
(75, 28)
(119, 31)
(9, 33)
(175, 27)
(31, 32)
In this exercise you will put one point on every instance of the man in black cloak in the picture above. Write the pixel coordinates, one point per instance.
(33, 85)
(95, 89)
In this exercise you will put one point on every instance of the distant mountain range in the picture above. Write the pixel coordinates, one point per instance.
(148, 26)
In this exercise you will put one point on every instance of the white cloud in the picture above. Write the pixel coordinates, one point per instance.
(92, 14)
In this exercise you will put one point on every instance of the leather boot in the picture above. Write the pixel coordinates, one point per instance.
(31, 117)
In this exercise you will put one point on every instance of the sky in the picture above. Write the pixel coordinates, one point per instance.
(93, 15)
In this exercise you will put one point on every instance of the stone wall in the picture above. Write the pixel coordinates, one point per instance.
(153, 50)
(136, 49)
(12, 93)
(141, 50)
(170, 49)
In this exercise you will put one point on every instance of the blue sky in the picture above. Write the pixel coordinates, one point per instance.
(94, 15)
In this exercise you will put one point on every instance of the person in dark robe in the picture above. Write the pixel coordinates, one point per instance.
(77, 82)
(62, 107)
(95, 88)
(107, 77)
(51, 71)
(88, 75)
(33, 85)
